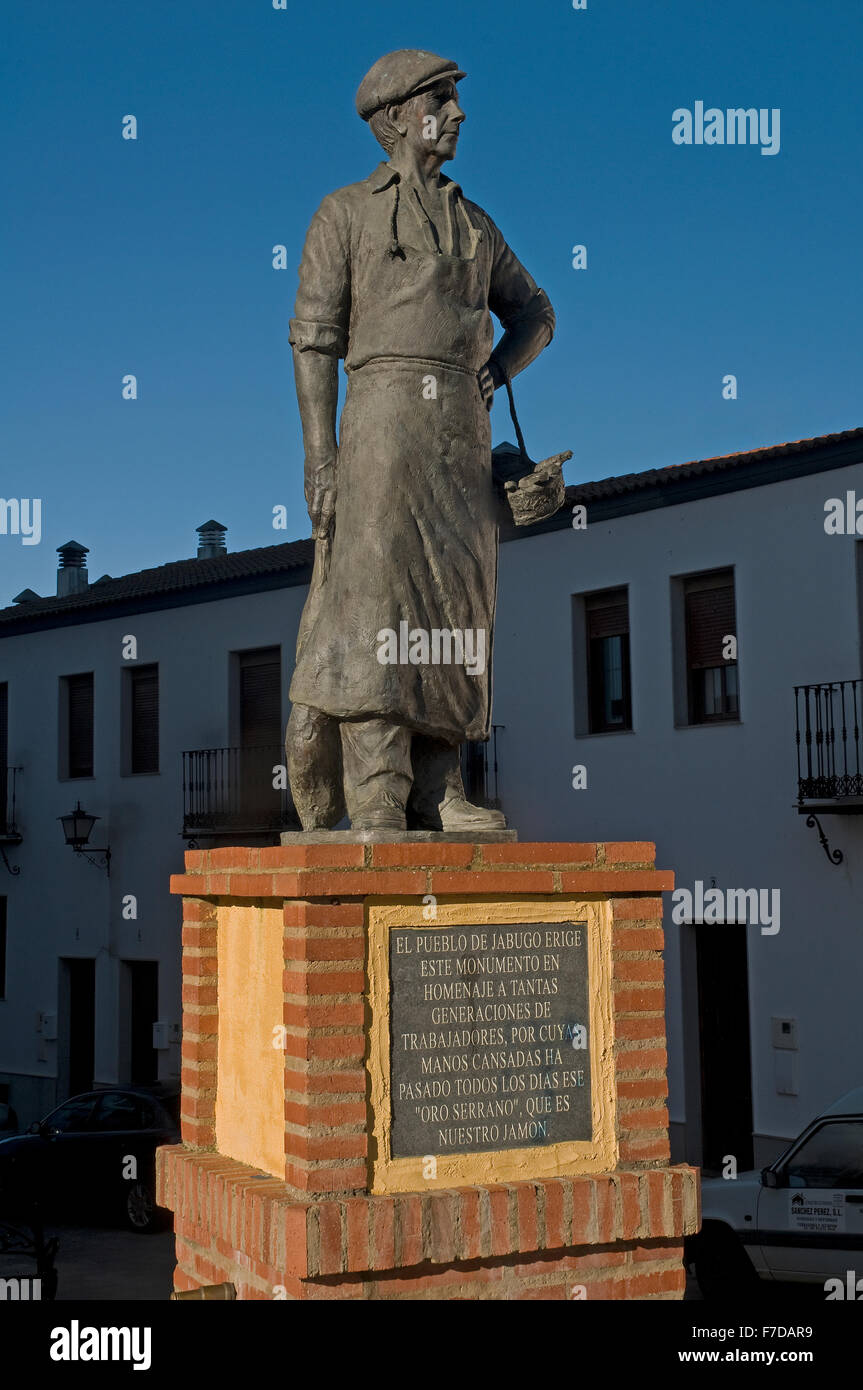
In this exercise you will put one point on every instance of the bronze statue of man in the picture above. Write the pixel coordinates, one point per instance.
(400, 275)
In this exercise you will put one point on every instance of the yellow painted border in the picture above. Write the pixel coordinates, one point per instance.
(390, 1174)
(250, 1072)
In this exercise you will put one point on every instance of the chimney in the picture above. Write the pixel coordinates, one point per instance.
(25, 596)
(211, 540)
(72, 574)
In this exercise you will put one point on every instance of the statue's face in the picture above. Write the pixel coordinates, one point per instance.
(433, 119)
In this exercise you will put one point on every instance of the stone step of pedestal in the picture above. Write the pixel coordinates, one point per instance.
(397, 837)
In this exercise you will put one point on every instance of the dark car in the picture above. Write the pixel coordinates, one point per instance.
(94, 1152)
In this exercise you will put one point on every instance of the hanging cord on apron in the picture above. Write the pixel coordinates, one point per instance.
(526, 460)
(395, 248)
(432, 227)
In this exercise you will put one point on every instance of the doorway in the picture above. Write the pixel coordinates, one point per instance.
(77, 1032)
(143, 994)
(261, 737)
(722, 969)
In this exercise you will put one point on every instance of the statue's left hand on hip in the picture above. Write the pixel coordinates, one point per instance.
(485, 378)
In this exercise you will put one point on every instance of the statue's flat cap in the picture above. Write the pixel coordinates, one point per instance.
(396, 76)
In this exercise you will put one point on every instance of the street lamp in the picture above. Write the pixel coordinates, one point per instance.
(77, 827)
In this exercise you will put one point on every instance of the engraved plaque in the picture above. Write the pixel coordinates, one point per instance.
(489, 1030)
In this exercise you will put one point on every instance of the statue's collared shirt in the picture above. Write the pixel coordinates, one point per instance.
(369, 286)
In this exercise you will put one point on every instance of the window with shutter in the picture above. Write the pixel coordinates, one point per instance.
(261, 698)
(609, 686)
(144, 719)
(261, 732)
(79, 697)
(710, 620)
(607, 618)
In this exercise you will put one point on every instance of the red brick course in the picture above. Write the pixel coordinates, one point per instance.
(338, 871)
(619, 1235)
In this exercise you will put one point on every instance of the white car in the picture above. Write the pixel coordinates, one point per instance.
(799, 1219)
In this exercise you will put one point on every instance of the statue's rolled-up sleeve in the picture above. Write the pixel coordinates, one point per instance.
(522, 307)
(323, 304)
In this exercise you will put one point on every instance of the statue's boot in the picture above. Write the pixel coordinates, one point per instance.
(437, 800)
(377, 773)
(314, 753)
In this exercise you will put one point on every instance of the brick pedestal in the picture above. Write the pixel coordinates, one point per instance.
(277, 1184)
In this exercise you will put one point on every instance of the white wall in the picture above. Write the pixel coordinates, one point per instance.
(717, 800)
(60, 905)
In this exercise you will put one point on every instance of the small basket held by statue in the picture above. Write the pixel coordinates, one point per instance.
(534, 491)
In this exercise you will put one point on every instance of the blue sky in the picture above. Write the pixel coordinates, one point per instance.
(154, 256)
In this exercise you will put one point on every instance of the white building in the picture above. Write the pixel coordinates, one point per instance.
(612, 656)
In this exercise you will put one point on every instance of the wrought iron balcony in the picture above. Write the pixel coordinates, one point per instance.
(829, 768)
(479, 771)
(9, 832)
(230, 791)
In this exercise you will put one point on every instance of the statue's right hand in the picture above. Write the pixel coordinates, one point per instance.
(321, 490)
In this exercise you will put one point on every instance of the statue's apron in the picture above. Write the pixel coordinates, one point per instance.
(415, 539)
